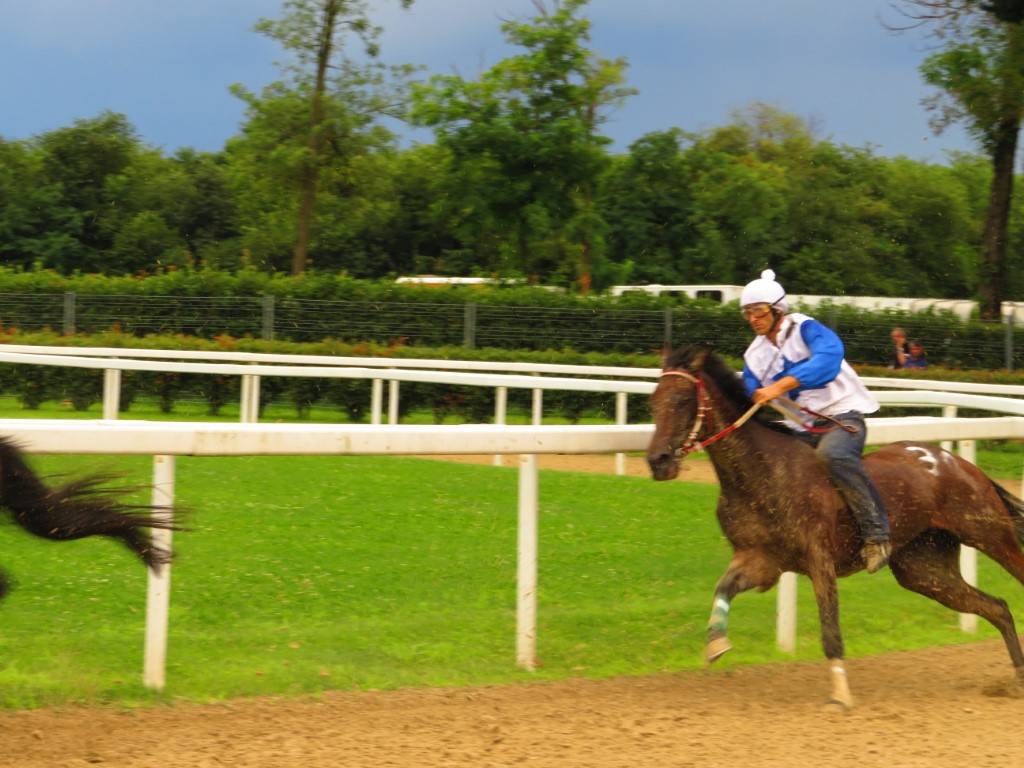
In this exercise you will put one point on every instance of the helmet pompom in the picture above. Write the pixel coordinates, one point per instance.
(764, 290)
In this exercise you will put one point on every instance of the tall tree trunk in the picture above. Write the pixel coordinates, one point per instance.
(307, 194)
(992, 284)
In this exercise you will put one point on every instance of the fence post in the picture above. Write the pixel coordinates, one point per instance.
(785, 613)
(968, 555)
(526, 565)
(111, 392)
(158, 595)
(268, 317)
(393, 401)
(376, 400)
(500, 413)
(1008, 319)
(69, 313)
(469, 325)
(620, 419)
(666, 332)
(948, 412)
(249, 407)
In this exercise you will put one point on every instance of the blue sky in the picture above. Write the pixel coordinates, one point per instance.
(168, 65)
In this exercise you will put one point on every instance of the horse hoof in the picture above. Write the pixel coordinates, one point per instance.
(716, 648)
(1011, 689)
(835, 705)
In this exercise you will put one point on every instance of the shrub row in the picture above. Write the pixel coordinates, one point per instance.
(315, 306)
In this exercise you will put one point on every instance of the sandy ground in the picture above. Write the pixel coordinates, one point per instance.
(915, 710)
(954, 707)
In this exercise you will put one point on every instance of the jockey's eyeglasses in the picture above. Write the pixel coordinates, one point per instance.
(757, 311)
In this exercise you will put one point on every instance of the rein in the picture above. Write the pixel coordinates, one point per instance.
(784, 406)
(791, 410)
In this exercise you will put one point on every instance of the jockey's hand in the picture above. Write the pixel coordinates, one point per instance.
(765, 394)
(775, 389)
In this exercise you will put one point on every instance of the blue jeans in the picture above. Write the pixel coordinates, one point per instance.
(841, 451)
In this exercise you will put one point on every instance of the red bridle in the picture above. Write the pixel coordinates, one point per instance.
(704, 405)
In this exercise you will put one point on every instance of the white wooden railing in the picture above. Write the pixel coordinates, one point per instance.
(165, 440)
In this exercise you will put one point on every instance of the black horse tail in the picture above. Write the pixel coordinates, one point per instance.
(1015, 507)
(80, 508)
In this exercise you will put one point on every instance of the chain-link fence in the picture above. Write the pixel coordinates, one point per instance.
(947, 340)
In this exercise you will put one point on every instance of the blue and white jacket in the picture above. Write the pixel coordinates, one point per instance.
(812, 353)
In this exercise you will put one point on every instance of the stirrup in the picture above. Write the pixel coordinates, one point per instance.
(876, 555)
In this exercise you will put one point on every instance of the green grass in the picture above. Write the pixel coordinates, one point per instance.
(306, 574)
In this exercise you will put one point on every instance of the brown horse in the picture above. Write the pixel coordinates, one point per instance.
(781, 512)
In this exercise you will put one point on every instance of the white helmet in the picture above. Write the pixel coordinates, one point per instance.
(764, 290)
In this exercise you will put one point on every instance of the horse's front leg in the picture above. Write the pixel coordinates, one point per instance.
(748, 569)
(823, 577)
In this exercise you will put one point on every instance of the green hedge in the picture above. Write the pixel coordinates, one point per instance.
(315, 306)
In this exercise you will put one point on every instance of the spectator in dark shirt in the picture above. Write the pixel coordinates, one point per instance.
(917, 357)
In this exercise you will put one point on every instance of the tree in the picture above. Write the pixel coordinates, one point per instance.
(80, 161)
(315, 31)
(526, 134)
(268, 167)
(980, 74)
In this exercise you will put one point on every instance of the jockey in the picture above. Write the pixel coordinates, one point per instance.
(797, 357)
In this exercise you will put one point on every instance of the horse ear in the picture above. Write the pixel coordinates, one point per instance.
(700, 355)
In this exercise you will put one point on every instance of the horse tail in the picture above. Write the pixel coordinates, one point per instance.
(1014, 506)
(80, 508)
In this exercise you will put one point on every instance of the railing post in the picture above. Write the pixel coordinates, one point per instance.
(500, 412)
(158, 594)
(393, 401)
(785, 613)
(526, 565)
(249, 407)
(666, 330)
(968, 555)
(268, 316)
(948, 412)
(69, 313)
(376, 401)
(620, 419)
(111, 392)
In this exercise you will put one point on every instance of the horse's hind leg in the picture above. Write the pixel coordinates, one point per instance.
(930, 565)
(748, 569)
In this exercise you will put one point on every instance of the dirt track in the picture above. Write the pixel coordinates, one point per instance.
(952, 707)
(916, 710)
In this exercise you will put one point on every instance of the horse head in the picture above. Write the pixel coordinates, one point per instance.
(678, 405)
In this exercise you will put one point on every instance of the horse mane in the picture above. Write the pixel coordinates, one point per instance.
(729, 384)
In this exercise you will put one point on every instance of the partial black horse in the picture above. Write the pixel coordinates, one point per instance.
(780, 511)
(79, 508)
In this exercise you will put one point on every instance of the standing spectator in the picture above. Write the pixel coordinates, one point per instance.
(900, 348)
(917, 357)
